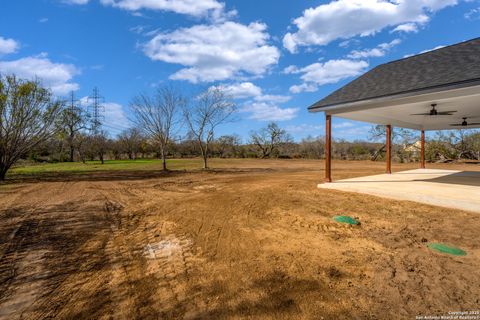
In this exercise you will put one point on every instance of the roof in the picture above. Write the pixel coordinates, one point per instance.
(448, 66)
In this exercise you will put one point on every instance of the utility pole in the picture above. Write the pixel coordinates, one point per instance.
(97, 109)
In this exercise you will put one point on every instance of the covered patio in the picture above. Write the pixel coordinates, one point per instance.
(436, 90)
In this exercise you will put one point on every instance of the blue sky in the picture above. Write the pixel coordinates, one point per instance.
(275, 57)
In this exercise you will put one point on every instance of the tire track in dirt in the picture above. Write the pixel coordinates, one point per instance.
(22, 264)
(16, 294)
(172, 261)
(38, 241)
(120, 253)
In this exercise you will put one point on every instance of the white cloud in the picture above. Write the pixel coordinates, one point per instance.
(353, 132)
(56, 76)
(406, 27)
(246, 90)
(348, 43)
(212, 9)
(79, 2)
(195, 8)
(215, 52)
(379, 51)
(424, 51)
(262, 107)
(332, 71)
(290, 69)
(304, 87)
(304, 128)
(428, 50)
(343, 125)
(138, 29)
(264, 111)
(114, 116)
(473, 14)
(43, 20)
(344, 19)
(273, 98)
(8, 45)
(242, 90)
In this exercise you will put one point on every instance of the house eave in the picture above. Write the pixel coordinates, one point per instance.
(395, 98)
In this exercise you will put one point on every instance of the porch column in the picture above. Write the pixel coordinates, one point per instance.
(389, 148)
(328, 148)
(422, 150)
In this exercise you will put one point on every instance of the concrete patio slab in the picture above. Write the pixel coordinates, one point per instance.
(446, 188)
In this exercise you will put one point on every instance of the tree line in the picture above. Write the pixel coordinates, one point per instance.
(35, 125)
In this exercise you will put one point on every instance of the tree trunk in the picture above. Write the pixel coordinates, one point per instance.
(204, 150)
(205, 161)
(164, 161)
(82, 156)
(3, 171)
(72, 149)
(378, 153)
(101, 158)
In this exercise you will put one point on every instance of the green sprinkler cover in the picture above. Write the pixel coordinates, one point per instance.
(345, 219)
(440, 247)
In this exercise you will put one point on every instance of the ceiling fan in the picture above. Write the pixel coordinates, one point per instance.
(435, 112)
(465, 123)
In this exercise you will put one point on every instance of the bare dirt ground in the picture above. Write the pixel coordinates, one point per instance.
(256, 241)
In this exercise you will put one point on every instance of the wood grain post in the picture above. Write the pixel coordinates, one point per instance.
(422, 150)
(328, 148)
(389, 148)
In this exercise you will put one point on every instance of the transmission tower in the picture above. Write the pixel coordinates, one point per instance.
(97, 109)
(73, 103)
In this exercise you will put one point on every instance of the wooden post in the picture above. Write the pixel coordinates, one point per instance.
(328, 148)
(389, 148)
(422, 150)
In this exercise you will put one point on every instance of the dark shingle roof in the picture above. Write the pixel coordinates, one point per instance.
(455, 64)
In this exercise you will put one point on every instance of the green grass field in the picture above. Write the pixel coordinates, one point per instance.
(109, 165)
(121, 165)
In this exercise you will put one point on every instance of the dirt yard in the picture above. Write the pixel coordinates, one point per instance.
(251, 240)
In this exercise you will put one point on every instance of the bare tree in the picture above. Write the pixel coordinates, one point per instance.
(399, 135)
(312, 147)
(28, 115)
(268, 139)
(159, 116)
(227, 145)
(131, 142)
(99, 145)
(211, 109)
(71, 122)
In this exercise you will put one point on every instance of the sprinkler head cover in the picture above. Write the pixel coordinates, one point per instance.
(346, 219)
(440, 247)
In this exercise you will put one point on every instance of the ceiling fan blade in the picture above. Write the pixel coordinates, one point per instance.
(474, 124)
(457, 125)
(447, 113)
(421, 114)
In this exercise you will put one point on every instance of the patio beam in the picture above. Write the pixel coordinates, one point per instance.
(422, 150)
(328, 148)
(389, 148)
